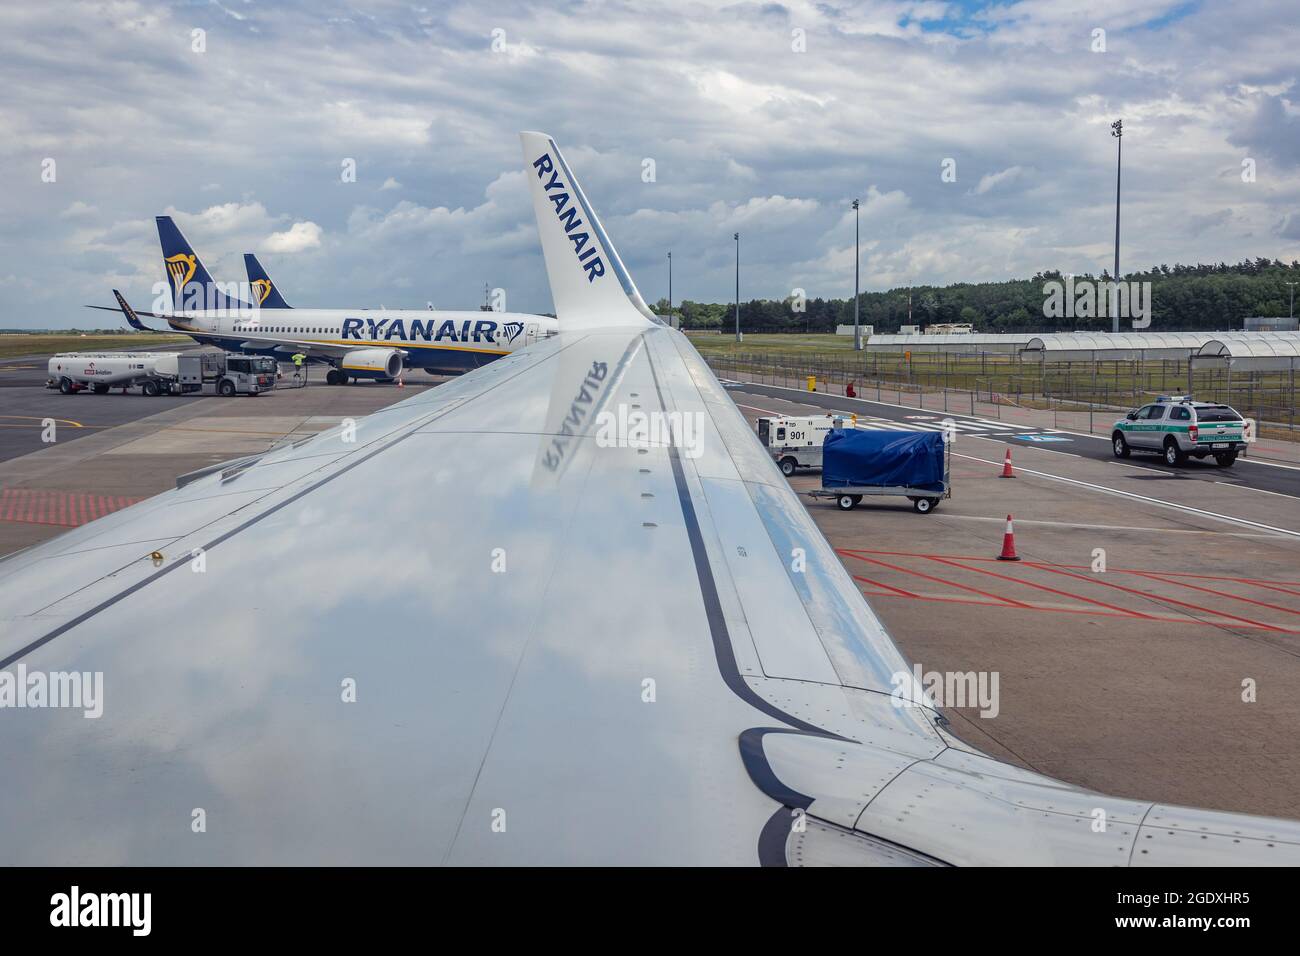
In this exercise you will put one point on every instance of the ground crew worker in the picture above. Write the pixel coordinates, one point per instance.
(850, 391)
(298, 359)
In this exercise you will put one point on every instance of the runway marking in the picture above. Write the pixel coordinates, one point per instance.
(1129, 494)
(35, 418)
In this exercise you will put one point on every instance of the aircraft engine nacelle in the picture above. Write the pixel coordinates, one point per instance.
(373, 363)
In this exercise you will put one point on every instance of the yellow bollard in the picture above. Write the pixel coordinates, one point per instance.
(812, 383)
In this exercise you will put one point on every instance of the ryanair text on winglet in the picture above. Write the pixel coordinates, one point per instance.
(566, 210)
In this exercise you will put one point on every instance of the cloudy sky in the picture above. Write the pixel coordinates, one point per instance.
(685, 121)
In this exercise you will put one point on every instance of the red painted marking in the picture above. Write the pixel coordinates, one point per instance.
(1157, 618)
(1043, 587)
(882, 584)
(931, 577)
(1072, 567)
(1064, 570)
(67, 509)
(1225, 594)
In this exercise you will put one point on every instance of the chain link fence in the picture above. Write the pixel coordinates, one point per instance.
(1084, 396)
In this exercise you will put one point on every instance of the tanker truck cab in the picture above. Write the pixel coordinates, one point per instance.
(795, 442)
(1178, 428)
(247, 375)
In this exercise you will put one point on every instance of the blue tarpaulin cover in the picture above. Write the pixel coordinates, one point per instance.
(856, 456)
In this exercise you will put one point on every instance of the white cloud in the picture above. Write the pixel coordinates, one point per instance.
(994, 180)
(298, 238)
(391, 183)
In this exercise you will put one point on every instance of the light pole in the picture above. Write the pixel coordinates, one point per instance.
(670, 290)
(1117, 131)
(737, 238)
(857, 330)
(1291, 311)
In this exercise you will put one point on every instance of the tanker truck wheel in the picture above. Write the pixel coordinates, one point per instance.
(100, 389)
(226, 388)
(149, 388)
(65, 386)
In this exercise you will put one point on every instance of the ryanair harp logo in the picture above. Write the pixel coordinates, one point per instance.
(512, 330)
(180, 268)
(261, 289)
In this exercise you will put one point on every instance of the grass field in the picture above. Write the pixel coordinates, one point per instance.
(22, 343)
(726, 343)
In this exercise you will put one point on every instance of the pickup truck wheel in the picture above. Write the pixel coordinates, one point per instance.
(848, 502)
(149, 388)
(1120, 445)
(788, 466)
(1173, 454)
(1225, 458)
(65, 386)
(226, 388)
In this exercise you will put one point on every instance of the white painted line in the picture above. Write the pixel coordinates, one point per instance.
(949, 516)
(1020, 469)
(1276, 494)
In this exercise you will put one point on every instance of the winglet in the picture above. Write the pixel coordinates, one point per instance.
(132, 319)
(589, 284)
(264, 290)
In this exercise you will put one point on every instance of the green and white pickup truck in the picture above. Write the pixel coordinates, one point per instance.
(1179, 428)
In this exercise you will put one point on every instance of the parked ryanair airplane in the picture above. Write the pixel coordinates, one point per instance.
(358, 344)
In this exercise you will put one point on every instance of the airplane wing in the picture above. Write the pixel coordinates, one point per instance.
(563, 609)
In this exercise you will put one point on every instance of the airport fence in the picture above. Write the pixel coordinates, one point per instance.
(1084, 396)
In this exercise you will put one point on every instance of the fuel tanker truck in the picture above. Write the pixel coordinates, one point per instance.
(157, 373)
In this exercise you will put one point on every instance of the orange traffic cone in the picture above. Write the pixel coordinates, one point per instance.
(1006, 466)
(1009, 544)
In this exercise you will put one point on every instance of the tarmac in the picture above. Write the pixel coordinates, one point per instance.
(1130, 680)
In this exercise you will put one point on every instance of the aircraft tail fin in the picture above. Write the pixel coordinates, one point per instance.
(192, 287)
(589, 284)
(132, 319)
(264, 290)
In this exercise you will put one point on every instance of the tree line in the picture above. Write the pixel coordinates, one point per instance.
(1215, 297)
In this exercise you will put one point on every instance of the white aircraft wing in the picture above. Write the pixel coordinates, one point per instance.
(500, 622)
